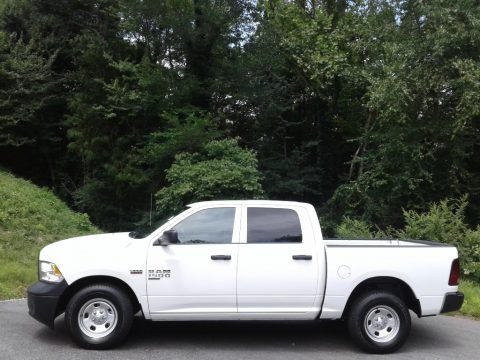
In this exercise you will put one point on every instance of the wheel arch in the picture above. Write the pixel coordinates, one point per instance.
(387, 283)
(91, 280)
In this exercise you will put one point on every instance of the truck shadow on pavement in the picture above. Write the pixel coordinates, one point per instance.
(250, 336)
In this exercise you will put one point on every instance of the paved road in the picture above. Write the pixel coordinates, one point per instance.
(441, 337)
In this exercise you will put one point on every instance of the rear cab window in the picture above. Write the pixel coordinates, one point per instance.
(273, 225)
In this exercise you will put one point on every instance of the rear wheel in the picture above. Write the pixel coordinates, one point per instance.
(379, 322)
(99, 316)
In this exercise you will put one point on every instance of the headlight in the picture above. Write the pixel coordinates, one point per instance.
(49, 272)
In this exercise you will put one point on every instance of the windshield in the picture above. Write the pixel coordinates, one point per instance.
(142, 231)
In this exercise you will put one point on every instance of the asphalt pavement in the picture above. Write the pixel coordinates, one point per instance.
(440, 337)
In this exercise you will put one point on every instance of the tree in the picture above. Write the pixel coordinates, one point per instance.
(139, 102)
(299, 99)
(359, 107)
(422, 136)
(39, 41)
(28, 93)
(220, 170)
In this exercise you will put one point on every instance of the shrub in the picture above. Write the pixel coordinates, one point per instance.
(445, 222)
(470, 253)
(354, 229)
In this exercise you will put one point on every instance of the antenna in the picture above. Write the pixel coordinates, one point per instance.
(151, 207)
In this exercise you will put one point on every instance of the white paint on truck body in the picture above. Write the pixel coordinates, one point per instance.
(256, 280)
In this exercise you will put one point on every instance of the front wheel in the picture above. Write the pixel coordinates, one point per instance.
(379, 322)
(99, 316)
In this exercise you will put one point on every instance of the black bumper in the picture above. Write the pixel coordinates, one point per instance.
(43, 299)
(452, 302)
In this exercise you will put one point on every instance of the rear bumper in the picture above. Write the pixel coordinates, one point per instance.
(452, 302)
(42, 299)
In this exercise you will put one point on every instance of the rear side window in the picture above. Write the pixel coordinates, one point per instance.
(271, 225)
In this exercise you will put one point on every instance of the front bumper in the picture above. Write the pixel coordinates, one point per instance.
(452, 302)
(43, 299)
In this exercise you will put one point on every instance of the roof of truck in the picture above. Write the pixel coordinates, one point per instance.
(248, 202)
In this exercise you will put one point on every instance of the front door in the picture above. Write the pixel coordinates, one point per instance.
(197, 277)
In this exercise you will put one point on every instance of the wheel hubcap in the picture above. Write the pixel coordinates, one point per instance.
(382, 323)
(97, 318)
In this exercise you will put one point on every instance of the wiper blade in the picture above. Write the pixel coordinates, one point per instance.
(196, 242)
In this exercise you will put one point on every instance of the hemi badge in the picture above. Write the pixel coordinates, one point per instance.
(136, 272)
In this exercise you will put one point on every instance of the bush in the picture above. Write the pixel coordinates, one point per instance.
(359, 229)
(354, 229)
(443, 222)
(470, 254)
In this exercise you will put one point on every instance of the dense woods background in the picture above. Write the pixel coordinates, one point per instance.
(363, 108)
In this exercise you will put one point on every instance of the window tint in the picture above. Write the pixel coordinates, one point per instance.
(267, 225)
(209, 226)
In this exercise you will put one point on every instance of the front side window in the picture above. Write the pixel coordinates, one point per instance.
(271, 225)
(209, 226)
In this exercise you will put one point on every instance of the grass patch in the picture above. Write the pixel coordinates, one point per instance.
(471, 305)
(30, 218)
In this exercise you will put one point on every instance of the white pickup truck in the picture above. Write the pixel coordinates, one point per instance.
(243, 260)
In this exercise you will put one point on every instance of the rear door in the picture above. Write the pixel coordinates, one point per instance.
(277, 262)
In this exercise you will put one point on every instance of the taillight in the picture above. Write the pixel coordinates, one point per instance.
(454, 273)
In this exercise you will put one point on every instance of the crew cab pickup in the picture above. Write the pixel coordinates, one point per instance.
(243, 260)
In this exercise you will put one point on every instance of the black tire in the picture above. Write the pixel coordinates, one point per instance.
(115, 316)
(372, 322)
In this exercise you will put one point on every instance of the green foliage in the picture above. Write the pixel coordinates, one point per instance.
(140, 102)
(291, 94)
(39, 41)
(354, 229)
(30, 218)
(127, 132)
(221, 170)
(443, 222)
(27, 86)
(471, 304)
(312, 42)
(362, 108)
(183, 132)
(418, 141)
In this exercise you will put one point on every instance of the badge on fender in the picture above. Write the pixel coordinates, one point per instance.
(158, 274)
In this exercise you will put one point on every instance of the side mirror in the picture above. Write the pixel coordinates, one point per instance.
(168, 237)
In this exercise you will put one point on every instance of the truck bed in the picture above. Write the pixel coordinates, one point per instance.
(423, 265)
(337, 242)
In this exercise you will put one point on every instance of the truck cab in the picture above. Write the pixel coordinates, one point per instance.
(235, 261)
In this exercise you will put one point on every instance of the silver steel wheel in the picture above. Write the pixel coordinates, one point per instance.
(382, 323)
(97, 318)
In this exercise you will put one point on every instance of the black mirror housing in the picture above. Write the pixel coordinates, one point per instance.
(168, 237)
